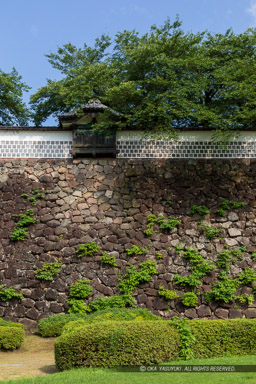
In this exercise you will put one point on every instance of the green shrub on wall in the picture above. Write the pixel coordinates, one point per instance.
(24, 221)
(161, 222)
(133, 277)
(48, 271)
(121, 301)
(167, 294)
(88, 249)
(108, 260)
(189, 299)
(10, 293)
(78, 293)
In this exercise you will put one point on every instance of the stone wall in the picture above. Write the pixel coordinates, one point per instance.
(108, 201)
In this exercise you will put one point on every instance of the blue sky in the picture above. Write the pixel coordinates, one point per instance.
(31, 28)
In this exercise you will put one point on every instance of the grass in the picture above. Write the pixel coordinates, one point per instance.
(110, 376)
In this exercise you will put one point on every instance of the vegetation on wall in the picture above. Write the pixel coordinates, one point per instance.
(160, 222)
(133, 276)
(88, 249)
(48, 271)
(136, 267)
(10, 293)
(78, 292)
(24, 220)
(226, 205)
(20, 231)
(108, 260)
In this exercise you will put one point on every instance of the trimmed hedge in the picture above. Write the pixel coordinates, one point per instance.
(223, 337)
(11, 335)
(122, 314)
(52, 326)
(124, 343)
(109, 344)
(113, 314)
(4, 323)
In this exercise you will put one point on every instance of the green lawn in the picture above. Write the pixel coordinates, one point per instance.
(107, 376)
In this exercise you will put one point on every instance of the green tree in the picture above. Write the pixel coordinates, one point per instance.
(13, 110)
(86, 73)
(161, 81)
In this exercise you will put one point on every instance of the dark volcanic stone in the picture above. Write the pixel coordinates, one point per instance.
(203, 311)
(32, 314)
(222, 313)
(235, 313)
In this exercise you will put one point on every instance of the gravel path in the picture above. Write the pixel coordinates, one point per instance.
(34, 358)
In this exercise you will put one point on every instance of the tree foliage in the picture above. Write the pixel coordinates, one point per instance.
(161, 81)
(13, 110)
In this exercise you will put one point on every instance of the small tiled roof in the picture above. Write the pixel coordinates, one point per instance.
(93, 105)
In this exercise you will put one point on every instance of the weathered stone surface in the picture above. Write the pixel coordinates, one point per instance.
(77, 219)
(40, 306)
(142, 298)
(203, 311)
(56, 308)
(250, 313)
(235, 313)
(232, 216)
(160, 304)
(222, 313)
(3, 178)
(108, 201)
(32, 314)
(28, 303)
(37, 294)
(51, 294)
(234, 232)
(28, 323)
(49, 245)
(68, 251)
(191, 313)
(53, 223)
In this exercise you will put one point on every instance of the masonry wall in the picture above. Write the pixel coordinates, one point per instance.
(108, 201)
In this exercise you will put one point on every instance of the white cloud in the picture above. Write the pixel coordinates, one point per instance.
(252, 10)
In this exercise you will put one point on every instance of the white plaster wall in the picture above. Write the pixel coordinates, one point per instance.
(35, 135)
(184, 136)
